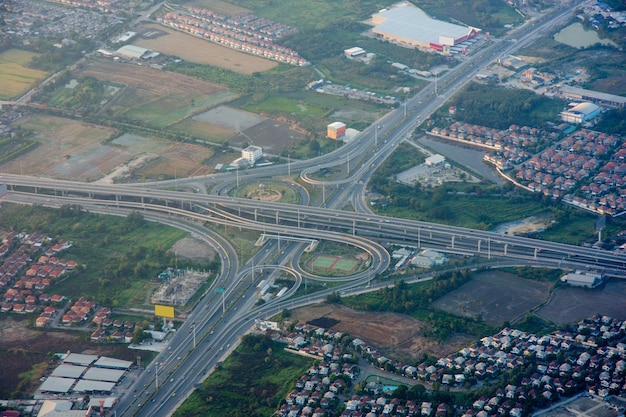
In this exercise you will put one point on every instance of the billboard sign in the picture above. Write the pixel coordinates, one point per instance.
(164, 311)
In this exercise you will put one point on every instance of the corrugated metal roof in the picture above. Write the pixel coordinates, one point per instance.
(93, 386)
(66, 370)
(105, 362)
(57, 384)
(407, 21)
(79, 358)
(104, 374)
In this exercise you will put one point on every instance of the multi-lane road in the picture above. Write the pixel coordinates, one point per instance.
(221, 317)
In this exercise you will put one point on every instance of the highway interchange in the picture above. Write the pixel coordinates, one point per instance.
(228, 309)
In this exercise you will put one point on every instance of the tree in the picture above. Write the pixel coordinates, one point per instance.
(314, 147)
(333, 298)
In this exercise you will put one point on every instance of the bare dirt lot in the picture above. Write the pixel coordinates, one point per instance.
(495, 296)
(68, 149)
(573, 304)
(194, 49)
(397, 335)
(194, 249)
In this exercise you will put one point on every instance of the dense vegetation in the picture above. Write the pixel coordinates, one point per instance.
(613, 122)
(500, 108)
(117, 255)
(252, 381)
(458, 204)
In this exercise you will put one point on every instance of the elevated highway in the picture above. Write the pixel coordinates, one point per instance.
(315, 222)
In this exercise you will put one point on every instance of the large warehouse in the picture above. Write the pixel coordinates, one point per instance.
(581, 113)
(136, 52)
(82, 373)
(406, 25)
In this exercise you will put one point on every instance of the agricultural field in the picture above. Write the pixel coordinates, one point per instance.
(287, 105)
(200, 51)
(15, 77)
(67, 149)
(74, 150)
(155, 97)
(274, 135)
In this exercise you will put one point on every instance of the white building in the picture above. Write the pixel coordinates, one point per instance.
(581, 113)
(582, 279)
(354, 52)
(427, 258)
(252, 154)
(435, 160)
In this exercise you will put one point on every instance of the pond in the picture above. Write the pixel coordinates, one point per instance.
(576, 36)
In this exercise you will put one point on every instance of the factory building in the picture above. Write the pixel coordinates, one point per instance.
(408, 26)
(602, 99)
(135, 52)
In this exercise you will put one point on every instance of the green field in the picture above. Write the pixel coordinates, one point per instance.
(107, 275)
(253, 190)
(324, 261)
(285, 105)
(15, 77)
(252, 382)
(169, 109)
(345, 264)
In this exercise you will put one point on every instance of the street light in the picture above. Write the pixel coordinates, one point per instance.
(156, 374)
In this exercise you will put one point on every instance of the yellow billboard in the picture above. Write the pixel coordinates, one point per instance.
(164, 311)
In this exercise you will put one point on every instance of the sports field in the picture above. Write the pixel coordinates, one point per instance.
(334, 263)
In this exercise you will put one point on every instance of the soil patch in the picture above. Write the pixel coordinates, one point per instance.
(273, 135)
(571, 304)
(495, 296)
(396, 335)
(68, 149)
(194, 249)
